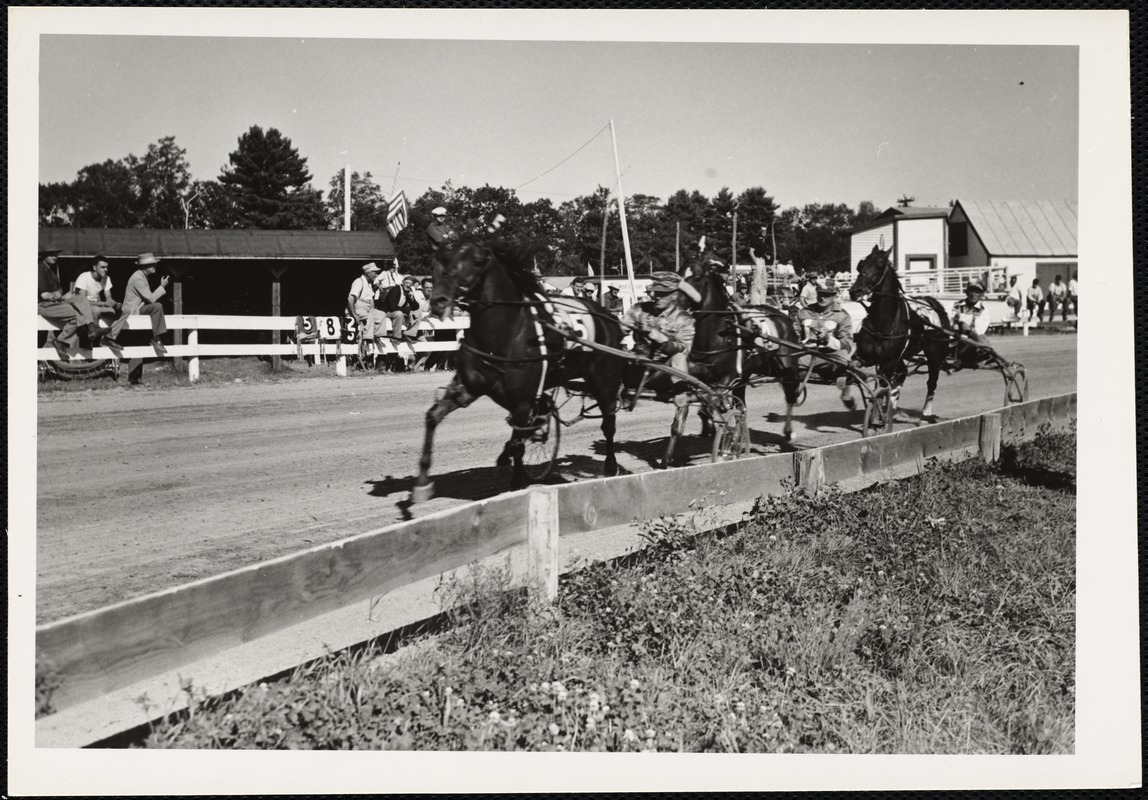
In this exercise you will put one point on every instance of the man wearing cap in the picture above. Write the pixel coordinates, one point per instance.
(71, 309)
(663, 327)
(140, 299)
(439, 232)
(361, 306)
(613, 300)
(971, 320)
(827, 328)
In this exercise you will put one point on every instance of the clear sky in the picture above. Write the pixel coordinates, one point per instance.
(809, 122)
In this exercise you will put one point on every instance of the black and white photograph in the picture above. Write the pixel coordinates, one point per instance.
(704, 387)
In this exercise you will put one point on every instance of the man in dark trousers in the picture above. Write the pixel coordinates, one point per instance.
(71, 309)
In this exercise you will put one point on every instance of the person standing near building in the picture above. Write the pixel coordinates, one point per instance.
(1057, 296)
(439, 232)
(140, 299)
(613, 300)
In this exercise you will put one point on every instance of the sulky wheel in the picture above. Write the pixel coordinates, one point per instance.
(1016, 384)
(878, 407)
(731, 439)
(541, 447)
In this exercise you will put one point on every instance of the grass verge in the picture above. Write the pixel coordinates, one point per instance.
(933, 615)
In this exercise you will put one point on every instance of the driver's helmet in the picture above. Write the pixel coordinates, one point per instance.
(974, 287)
(666, 282)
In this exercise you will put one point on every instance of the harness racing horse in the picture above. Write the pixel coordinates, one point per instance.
(723, 354)
(897, 328)
(510, 355)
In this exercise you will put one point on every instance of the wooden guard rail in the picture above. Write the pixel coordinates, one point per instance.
(120, 645)
(192, 324)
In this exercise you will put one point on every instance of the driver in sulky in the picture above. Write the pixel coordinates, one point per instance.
(827, 328)
(971, 320)
(663, 327)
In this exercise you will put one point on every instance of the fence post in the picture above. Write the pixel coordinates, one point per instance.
(542, 545)
(809, 470)
(193, 362)
(990, 437)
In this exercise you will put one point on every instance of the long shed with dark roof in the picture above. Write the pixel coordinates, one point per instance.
(231, 271)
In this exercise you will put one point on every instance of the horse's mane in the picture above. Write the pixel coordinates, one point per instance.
(518, 260)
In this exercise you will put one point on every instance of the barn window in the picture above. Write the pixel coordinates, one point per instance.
(958, 239)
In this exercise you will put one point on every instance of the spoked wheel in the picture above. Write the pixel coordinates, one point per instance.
(1016, 384)
(541, 449)
(878, 407)
(731, 439)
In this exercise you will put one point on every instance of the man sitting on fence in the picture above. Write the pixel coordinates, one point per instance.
(140, 299)
(663, 327)
(361, 306)
(826, 327)
(70, 309)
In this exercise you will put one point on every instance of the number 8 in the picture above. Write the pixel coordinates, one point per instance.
(330, 326)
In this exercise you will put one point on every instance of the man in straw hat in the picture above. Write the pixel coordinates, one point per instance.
(663, 327)
(140, 299)
(71, 309)
(361, 306)
(827, 327)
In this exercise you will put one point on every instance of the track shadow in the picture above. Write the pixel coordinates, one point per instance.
(767, 442)
(832, 420)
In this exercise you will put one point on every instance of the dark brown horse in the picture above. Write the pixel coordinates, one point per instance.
(723, 355)
(898, 328)
(510, 355)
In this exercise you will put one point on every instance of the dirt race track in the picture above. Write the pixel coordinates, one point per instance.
(142, 490)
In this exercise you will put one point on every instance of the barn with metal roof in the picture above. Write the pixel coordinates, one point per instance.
(1026, 238)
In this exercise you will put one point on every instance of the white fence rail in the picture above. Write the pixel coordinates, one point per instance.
(954, 280)
(325, 338)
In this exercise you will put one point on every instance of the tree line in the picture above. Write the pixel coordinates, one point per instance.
(266, 184)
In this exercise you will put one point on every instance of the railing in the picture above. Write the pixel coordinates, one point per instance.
(954, 280)
(319, 337)
(122, 645)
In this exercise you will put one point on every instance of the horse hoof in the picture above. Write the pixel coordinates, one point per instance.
(610, 470)
(421, 494)
(788, 436)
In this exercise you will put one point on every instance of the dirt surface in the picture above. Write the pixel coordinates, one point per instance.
(178, 484)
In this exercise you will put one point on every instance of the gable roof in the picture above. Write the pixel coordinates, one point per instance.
(1024, 227)
(220, 244)
(902, 212)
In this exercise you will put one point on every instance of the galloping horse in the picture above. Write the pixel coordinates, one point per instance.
(723, 354)
(509, 355)
(897, 328)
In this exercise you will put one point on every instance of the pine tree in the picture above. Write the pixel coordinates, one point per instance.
(270, 185)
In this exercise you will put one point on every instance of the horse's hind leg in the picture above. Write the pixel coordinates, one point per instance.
(934, 356)
(521, 419)
(676, 429)
(791, 387)
(454, 396)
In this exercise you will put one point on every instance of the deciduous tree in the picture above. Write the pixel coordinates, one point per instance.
(368, 206)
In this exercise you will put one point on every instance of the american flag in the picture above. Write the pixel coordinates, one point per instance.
(397, 213)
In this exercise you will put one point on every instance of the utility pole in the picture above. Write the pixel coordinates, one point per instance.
(346, 197)
(678, 247)
(733, 246)
(605, 219)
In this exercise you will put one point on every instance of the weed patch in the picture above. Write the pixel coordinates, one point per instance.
(934, 615)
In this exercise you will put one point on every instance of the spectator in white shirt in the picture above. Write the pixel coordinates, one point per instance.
(1074, 294)
(1034, 300)
(1057, 295)
(97, 287)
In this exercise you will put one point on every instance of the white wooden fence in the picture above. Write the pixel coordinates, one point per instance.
(323, 337)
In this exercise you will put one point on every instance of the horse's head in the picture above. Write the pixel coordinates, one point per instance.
(872, 272)
(457, 272)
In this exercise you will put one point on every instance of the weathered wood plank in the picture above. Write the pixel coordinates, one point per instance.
(116, 646)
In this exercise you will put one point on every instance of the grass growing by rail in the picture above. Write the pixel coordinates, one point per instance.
(934, 615)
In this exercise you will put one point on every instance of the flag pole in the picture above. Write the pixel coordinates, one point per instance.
(346, 197)
(622, 216)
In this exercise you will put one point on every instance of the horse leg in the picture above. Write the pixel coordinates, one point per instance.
(454, 396)
(677, 428)
(934, 357)
(609, 421)
(521, 419)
